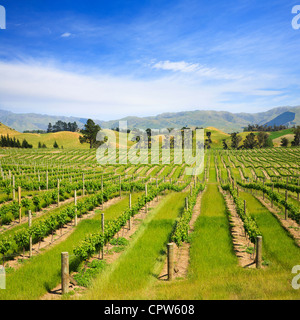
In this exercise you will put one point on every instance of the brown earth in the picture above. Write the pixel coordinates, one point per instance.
(182, 253)
(240, 238)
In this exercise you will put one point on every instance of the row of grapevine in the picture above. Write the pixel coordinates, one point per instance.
(94, 242)
(250, 225)
(181, 230)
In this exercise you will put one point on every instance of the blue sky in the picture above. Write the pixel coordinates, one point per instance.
(109, 59)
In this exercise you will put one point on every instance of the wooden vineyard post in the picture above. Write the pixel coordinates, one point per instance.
(65, 272)
(156, 190)
(47, 180)
(39, 178)
(75, 203)
(258, 259)
(120, 186)
(146, 195)
(272, 197)
(263, 190)
(129, 221)
(187, 203)
(83, 185)
(58, 192)
(102, 191)
(30, 237)
(19, 200)
(102, 226)
(285, 207)
(13, 190)
(170, 261)
(245, 214)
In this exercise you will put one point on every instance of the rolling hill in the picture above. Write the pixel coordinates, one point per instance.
(64, 138)
(70, 140)
(225, 121)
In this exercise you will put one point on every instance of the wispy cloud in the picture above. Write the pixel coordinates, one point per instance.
(196, 69)
(186, 54)
(66, 35)
(33, 86)
(176, 66)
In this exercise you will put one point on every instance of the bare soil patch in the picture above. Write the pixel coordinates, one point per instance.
(182, 253)
(242, 245)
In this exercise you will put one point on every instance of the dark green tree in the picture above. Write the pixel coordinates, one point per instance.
(225, 145)
(250, 141)
(55, 145)
(284, 142)
(89, 133)
(262, 139)
(296, 141)
(235, 140)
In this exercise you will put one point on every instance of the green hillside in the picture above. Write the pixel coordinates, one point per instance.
(64, 138)
(70, 140)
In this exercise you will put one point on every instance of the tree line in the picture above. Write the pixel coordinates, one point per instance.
(260, 140)
(7, 142)
(264, 128)
(62, 126)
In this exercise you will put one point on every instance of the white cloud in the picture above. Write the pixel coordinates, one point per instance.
(196, 69)
(66, 35)
(176, 66)
(36, 87)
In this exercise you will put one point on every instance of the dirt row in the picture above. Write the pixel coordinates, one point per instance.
(242, 245)
(290, 225)
(182, 253)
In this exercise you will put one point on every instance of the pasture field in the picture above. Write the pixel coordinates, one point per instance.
(117, 221)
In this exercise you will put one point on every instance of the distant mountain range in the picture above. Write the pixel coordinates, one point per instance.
(223, 120)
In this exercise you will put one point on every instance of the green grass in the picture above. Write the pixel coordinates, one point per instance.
(213, 271)
(64, 138)
(217, 137)
(211, 247)
(278, 246)
(131, 276)
(277, 134)
(42, 272)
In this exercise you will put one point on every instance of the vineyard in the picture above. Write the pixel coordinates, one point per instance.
(149, 231)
